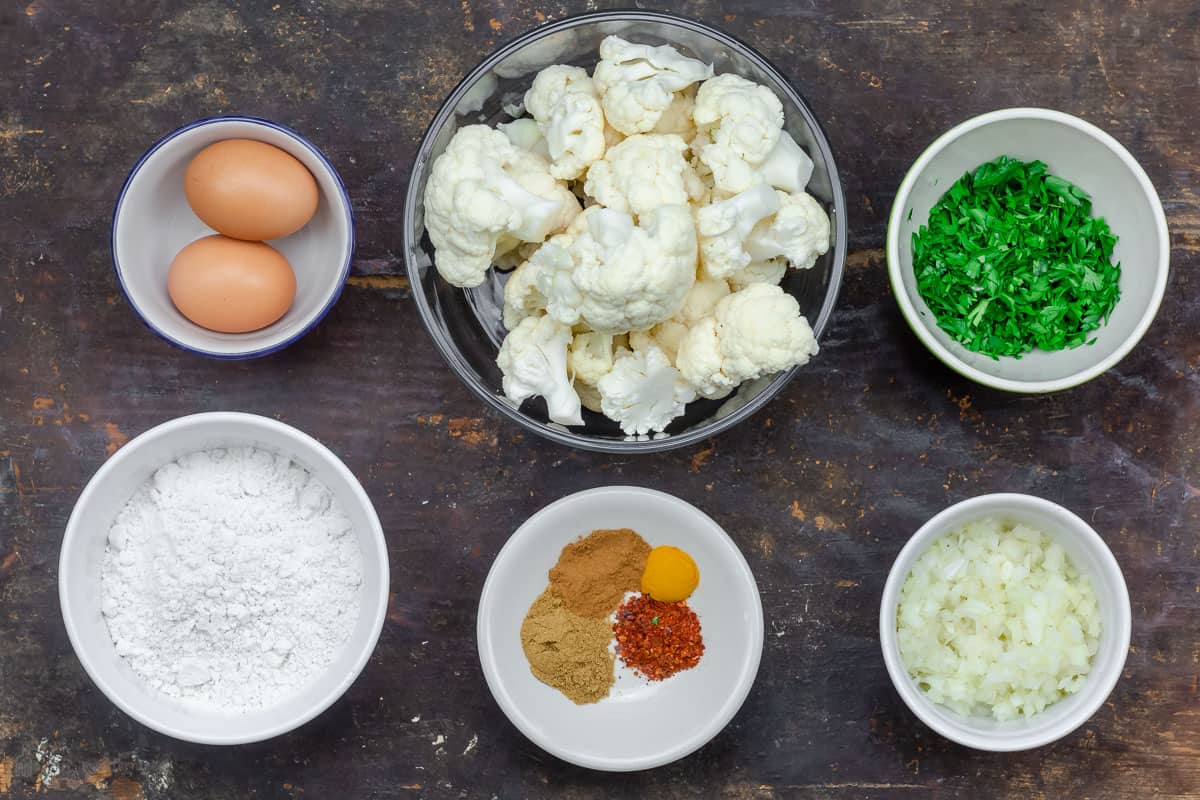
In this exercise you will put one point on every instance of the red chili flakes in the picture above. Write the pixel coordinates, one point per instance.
(658, 639)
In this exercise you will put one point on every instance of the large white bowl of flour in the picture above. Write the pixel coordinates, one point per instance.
(223, 578)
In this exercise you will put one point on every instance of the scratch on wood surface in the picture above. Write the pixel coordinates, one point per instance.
(797, 512)
(766, 546)
(6, 773)
(123, 788)
(865, 258)
(9, 560)
(1104, 72)
(701, 458)
(378, 281)
(394, 614)
(472, 430)
(16, 133)
(116, 438)
(100, 776)
(845, 583)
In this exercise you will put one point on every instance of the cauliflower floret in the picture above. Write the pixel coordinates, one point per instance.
(698, 304)
(753, 332)
(533, 358)
(642, 173)
(521, 296)
(701, 300)
(740, 124)
(481, 189)
(566, 106)
(638, 82)
(724, 226)
(677, 118)
(525, 134)
(618, 277)
(532, 172)
(799, 232)
(643, 392)
(590, 358)
(787, 166)
(769, 272)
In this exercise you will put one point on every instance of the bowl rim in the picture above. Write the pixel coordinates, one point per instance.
(916, 546)
(908, 307)
(564, 436)
(343, 200)
(688, 744)
(305, 444)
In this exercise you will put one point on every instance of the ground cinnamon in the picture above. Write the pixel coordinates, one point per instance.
(594, 572)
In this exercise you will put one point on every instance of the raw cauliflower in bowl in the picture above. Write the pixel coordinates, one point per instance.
(648, 211)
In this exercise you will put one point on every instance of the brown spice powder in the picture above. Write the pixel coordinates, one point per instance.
(594, 573)
(568, 651)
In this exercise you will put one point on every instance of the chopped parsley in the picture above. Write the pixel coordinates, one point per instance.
(1012, 259)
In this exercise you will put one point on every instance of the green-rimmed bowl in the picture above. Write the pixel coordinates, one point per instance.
(1121, 193)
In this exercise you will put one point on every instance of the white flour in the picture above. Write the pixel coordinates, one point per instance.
(231, 579)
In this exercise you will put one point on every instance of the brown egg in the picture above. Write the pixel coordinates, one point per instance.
(250, 190)
(231, 286)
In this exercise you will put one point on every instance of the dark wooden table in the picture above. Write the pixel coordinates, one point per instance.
(820, 489)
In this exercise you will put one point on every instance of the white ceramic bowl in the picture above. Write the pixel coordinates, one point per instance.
(1090, 555)
(639, 725)
(83, 551)
(1121, 193)
(152, 222)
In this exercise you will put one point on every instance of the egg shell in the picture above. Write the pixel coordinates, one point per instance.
(231, 286)
(250, 190)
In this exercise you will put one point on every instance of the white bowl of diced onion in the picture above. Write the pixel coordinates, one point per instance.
(1085, 552)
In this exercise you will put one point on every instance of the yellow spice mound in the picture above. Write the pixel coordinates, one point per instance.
(671, 575)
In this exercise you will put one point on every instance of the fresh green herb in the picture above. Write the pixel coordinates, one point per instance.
(1012, 259)
(654, 621)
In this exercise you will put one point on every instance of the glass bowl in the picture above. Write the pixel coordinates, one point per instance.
(466, 324)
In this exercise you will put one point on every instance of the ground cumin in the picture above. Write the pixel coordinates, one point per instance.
(594, 573)
(568, 651)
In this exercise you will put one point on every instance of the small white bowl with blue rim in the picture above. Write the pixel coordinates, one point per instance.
(152, 222)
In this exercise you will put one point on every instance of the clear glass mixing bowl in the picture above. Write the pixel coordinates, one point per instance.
(466, 323)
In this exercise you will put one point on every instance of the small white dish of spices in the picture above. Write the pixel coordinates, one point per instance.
(223, 578)
(620, 628)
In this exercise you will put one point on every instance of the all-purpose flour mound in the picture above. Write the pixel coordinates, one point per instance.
(231, 579)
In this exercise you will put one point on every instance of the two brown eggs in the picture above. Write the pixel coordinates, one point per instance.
(249, 192)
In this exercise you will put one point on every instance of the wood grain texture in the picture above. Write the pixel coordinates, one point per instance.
(820, 490)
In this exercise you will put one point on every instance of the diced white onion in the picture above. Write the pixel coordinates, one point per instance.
(994, 619)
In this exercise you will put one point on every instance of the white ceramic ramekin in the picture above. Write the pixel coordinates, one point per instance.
(1121, 193)
(83, 552)
(152, 222)
(1089, 553)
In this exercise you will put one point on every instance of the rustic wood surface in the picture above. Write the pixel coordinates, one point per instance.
(821, 489)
